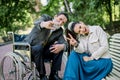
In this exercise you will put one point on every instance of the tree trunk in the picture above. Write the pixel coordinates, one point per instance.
(110, 15)
(67, 6)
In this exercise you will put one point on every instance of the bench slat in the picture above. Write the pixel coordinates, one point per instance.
(116, 61)
(111, 77)
(115, 73)
(115, 44)
(113, 54)
(115, 51)
(115, 66)
(115, 40)
(116, 58)
(117, 36)
(115, 47)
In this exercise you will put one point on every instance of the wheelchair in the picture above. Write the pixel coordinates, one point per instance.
(17, 65)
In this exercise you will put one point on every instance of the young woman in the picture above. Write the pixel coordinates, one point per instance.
(90, 59)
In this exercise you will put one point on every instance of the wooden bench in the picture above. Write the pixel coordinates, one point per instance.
(114, 43)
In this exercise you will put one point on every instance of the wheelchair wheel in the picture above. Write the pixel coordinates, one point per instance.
(34, 73)
(9, 68)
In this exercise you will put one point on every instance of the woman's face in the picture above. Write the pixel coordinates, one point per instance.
(81, 28)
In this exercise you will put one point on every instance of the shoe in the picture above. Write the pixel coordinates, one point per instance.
(54, 77)
(44, 78)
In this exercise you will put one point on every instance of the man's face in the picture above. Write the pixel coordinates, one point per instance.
(60, 19)
(81, 28)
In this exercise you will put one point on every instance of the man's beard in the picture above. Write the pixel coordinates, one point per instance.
(56, 25)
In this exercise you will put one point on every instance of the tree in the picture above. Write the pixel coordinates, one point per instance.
(98, 12)
(15, 14)
(108, 7)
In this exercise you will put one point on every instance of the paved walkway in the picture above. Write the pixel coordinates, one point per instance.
(8, 48)
(5, 49)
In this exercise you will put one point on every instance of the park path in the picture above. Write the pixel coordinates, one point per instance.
(8, 48)
(5, 49)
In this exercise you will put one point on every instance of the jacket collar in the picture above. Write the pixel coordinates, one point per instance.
(91, 29)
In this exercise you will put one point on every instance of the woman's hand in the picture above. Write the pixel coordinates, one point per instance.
(73, 42)
(86, 58)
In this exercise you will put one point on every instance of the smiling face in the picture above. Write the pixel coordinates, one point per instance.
(60, 19)
(81, 28)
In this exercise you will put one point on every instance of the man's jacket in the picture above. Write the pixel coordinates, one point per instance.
(41, 36)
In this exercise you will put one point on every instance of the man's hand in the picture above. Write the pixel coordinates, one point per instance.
(86, 58)
(47, 25)
(56, 48)
(73, 42)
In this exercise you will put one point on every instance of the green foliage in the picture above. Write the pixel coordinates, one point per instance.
(85, 11)
(96, 12)
(15, 14)
(92, 12)
(52, 8)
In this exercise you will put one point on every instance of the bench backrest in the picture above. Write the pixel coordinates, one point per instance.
(114, 50)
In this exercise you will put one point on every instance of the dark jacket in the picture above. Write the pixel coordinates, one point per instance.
(40, 35)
